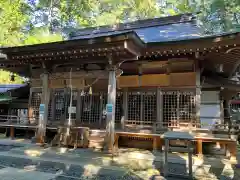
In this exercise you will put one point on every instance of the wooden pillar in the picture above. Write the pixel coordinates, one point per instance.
(166, 149)
(157, 143)
(30, 109)
(101, 109)
(198, 92)
(221, 112)
(79, 106)
(44, 101)
(199, 148)
(116, 141)
(159, 123)
(111, 108)
(125, 108)
(53, 105)
(232, 150)
(12, 132)
(190, 159)
(65, 105)
(141, 108)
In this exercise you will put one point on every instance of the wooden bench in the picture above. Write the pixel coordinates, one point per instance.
(199, 138)
(222, 139)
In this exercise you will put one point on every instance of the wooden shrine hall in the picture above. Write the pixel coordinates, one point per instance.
(137, 79)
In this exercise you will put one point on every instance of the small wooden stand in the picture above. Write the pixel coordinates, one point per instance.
(178, 136)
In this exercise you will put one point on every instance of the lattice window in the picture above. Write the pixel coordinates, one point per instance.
(74, 103)
(150, 107)
(178, 107)
(91, 108)
(35, 103)
(118, 108)
(142, 107)
(104, 103)
(50, 113)
(187, 107)
(13, 112)
(134, 107)
(16, 111)
(59, 104)
(4, 111)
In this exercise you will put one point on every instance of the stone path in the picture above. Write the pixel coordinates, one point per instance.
(30, 161)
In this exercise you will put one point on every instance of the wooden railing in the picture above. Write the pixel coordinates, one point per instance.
(12, 120)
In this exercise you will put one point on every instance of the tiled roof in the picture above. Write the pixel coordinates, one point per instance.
(7, 87)
(174, 28)
(171, 32)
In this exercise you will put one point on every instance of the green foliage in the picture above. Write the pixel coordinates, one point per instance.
(5, 78)
(41, 35)
(12, 20)
(107, 12)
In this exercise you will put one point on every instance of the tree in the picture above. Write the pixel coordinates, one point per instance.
(5, 78)
(41, 35)
(12, 20)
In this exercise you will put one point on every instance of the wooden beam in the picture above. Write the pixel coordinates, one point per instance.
(154, 64)
(125, 108)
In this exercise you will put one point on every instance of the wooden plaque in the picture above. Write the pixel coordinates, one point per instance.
(36, 83)
(128, 81)
(161, 80)
(183, 79)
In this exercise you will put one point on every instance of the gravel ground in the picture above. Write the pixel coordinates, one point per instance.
(99, 177)
(66, 172)
(8, 147)
(16, 162)
(77, 172)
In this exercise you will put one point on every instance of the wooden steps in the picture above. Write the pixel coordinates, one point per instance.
(68, 136)
(97, 139)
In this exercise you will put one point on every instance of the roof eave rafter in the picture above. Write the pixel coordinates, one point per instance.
(195, 45)
(132, 48)
(237, 64)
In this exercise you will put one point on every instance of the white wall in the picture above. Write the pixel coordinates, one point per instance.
(210, 110)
